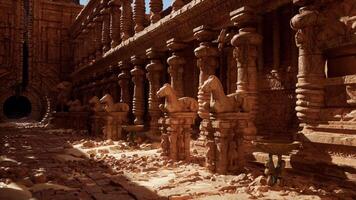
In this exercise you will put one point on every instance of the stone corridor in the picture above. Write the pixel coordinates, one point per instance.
(63, 164)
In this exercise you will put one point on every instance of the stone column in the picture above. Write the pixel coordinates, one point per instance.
(176, 65)
(177, 4)
(124, 82)
(154, 76)
(126, 19)
(115, 15)
(85, 46)
(139, 15)
(207, 56)
(98, 34)
(311, 64)
(91, 45)
(246, 43)
(138, 78)
(105, 38)
(156, 7)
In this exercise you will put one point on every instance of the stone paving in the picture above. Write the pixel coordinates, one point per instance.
(53, 164)
(44, 162)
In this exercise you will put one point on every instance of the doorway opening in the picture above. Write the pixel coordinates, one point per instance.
(17, 107)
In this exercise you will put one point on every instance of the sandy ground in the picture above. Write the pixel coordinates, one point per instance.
(63, 164)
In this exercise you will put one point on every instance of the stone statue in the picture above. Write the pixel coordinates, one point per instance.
(110, 106)
(173, 104)
(76, 106)
(64, 90)
(95, 105)
(219, 102)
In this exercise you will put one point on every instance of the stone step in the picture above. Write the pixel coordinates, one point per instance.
(328, 138)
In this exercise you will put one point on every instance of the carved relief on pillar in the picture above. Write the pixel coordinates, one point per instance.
(246, 44)
(154, 76)
(139, 15)
(98, 34)
(126, 19)
(138, 78)
(156, 7)
(226, 113)
(176, 125)
(85, 46)
(105, 38)
(124, 82)
(310, 92)
(176, 65)
(91, 35)
(116, 116)
(115, 15)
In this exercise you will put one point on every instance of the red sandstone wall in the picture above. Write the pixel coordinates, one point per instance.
(49, 54)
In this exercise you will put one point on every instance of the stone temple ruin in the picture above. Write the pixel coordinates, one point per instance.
(205, 99)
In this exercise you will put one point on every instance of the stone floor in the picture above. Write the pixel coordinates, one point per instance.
(63, 164)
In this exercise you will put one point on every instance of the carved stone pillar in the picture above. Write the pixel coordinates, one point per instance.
(124, 82)
(207, 62)
(177, 4)
(115, 15)
(85, 52)
(98, 34)
(91, 45)
(154, 76)
(126, 19)
(139, 15)
(176, 65)
(156, 7)
(178, 127)
(105, 38)
(138, 78)
(310, 93)
(246, 44)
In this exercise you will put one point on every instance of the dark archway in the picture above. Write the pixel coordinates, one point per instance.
(16, 107)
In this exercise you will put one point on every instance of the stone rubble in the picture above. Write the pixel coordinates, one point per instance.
(115, 170)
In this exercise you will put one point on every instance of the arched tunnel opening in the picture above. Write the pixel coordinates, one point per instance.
(17, 107)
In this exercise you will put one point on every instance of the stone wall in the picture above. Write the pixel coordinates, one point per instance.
(43, 26)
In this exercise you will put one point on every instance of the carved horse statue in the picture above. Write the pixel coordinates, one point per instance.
(76, 106)
(95, 105)
(173, 104)
(64, 90)
(109, 106)
(219, 102)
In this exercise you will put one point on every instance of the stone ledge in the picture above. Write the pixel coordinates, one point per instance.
(329, 138)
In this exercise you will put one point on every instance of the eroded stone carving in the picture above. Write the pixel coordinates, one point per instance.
(97, 118)
(219, 102)
(173, 104)
(95, 105)
(110, 106)
(76, 106)
(64, 93)
(116, 116)
(176, 125)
